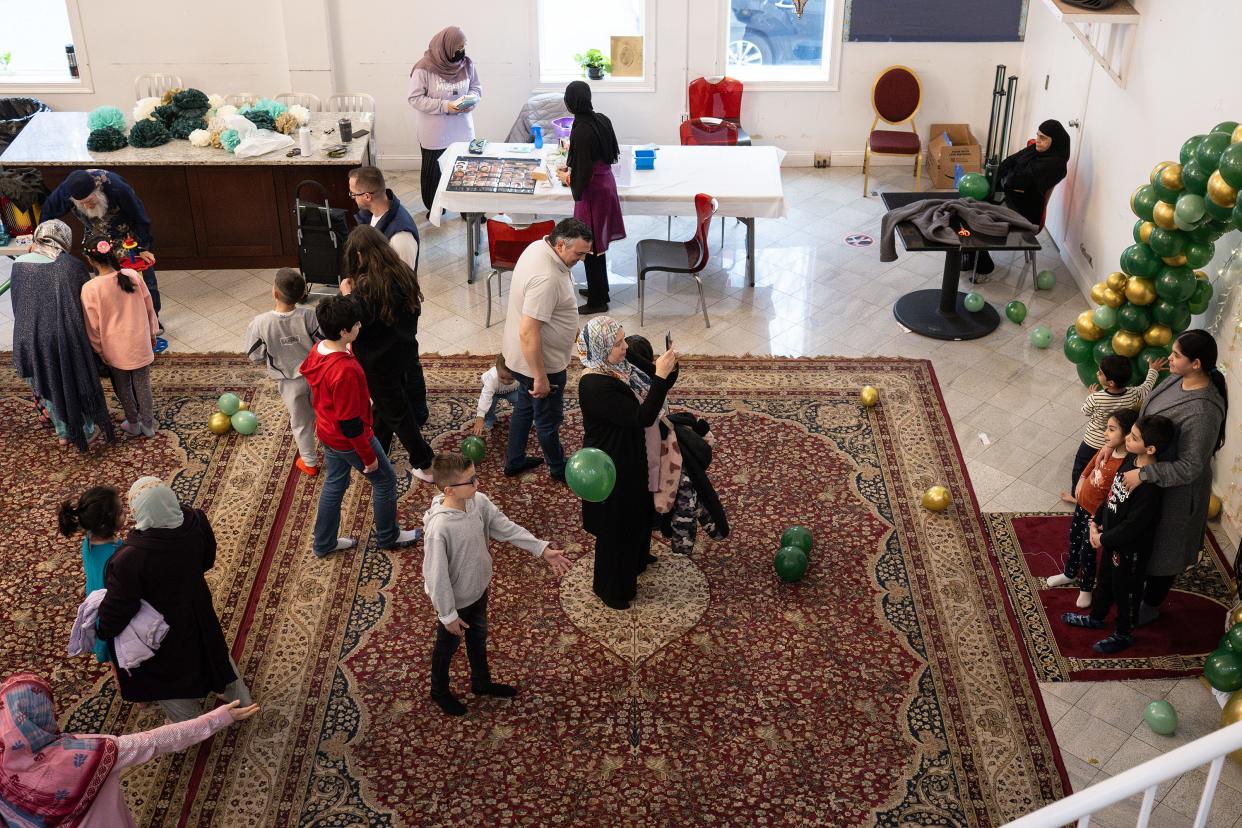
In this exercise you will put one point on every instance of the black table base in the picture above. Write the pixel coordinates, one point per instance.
(942, 314)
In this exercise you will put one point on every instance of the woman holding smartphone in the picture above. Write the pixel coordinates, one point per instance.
(444, 89)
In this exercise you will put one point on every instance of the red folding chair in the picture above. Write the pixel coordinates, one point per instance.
(710, 105)
(505, 243)
(678, 257)
(895, 97)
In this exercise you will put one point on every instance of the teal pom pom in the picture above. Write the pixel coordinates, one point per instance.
(185, 124)
(190, 99)
(106, 139)
(261, 119)
(229, 139)
(105, 116)
(271, 107)
(147, 134)
(165, 114)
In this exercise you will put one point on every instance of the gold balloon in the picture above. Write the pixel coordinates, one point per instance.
(241, 406)
(1140, 291)
(1171, 177)
(1086, 327)
(1235, 616)
(1162, 215)
(1157, 170)
(1199, 274)
(1157, 336)
(219, 423)
(1214, 507)
(1113, 298)
(1145, 231)
(1097, 292)
(1237, 134)
(1232, 713)
(936, 499)
(1117, 281)
(869, 396)
(1220, 192)
(1127, 343)
(1174, 261)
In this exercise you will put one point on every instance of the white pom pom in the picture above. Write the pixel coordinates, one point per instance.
(144, 107)
(215, 101)
(200, 138)
(226, 111)
(301, 113)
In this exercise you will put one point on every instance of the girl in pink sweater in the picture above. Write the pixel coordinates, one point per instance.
(121, 325)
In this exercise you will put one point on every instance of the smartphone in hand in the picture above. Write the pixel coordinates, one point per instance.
(668, 341)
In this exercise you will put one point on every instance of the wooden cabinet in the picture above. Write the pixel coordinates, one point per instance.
(234, 211)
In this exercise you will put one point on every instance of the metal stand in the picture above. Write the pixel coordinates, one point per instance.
(1004, 93)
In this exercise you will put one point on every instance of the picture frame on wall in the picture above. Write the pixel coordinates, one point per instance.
(627, 56)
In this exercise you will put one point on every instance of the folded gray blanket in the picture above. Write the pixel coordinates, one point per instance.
(933, 218)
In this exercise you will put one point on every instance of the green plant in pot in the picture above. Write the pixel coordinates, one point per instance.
(595, 63)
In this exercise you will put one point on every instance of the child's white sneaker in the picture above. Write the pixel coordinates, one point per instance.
(133, 430)
(1059, 580)
(1084, 600)
(148, 431)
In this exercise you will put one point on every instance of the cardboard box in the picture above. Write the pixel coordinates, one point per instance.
(943, 154)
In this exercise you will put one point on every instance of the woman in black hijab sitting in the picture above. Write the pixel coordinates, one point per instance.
(1026, 177)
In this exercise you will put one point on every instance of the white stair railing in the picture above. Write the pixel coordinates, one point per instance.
(1212, 749)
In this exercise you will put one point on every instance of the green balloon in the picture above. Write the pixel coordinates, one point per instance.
(473, 448)
(1176, 284)
(1136, 318)
(1223, 668)
(1236, 215)
(1041, 336)
(244, 422)
(591, 474)
(1188, 151)
(1167, 243)
(1226, 127)
(1144, 201)
(1152, 352)
(1216, 212)
(1198, 254)
(974, 302)
(1105, 318)
(973, 185)
(1103, 348)
(1195, 178)
(1138, 226)
(1208, 231)
(1199, 301)
(1016, 311)
(1189, 210)
(229, 403)
(1140, 260)
(1208, 153)
(1138, 372)
(1160, 717)
(1231, 165)
(1076, 349)
(1045, 280)
(1182, 322)
(790, 564)
(1086, 372)
(1163, 193)
(798, 536)
(1234, 636)
(1169, 313)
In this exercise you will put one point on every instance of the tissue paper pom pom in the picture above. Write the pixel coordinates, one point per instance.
(229, 139)
(200, 138)
(271, 107)
(146, 134)
(168, 96)
(105, 116)
(165, 114)
(301, 113)
(287, 123)
(215, 139)
(144, 107)
(185, 124)
(188, 99)
(260, 118)
(105, 139)
(215, 101)
(226, 111)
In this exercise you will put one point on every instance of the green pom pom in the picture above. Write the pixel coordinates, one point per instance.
(271, 107)
(190, 99)
(185, 124)
(165, 114)
(105, 116)
(106, 139)
(229, 139)
(147, 134)
(261, 119)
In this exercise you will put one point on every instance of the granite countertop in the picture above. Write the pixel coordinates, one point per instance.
(53, 139)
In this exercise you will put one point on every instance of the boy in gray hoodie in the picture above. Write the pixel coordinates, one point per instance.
(457, 569)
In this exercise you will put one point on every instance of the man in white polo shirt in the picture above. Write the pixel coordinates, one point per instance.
(540, 329)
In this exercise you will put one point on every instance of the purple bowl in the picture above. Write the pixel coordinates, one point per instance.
(563, 126)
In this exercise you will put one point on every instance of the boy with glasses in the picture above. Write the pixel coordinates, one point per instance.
(457, 570)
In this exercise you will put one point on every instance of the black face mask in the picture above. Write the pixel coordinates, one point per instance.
(459, 56)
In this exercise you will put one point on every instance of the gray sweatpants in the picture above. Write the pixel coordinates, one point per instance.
(182, 710)
(133, 388)
(297, 396)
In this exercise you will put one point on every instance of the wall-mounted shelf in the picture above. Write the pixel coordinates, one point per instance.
(1107, 35)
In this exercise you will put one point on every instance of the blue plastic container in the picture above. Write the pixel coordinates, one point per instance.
(644, 159)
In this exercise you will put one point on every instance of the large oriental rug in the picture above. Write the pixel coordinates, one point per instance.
(889, 687)
(1030, 546)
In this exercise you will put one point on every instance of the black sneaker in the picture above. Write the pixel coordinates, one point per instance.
(1115, 643)
(1081, 619)
(589, 309)
(558, 476)
(500, 691)
(525, 464)
(450, 704)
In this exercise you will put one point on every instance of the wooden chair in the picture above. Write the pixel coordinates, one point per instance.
(505, 243)
(305, 99)
(895, 97)
(154, 85)
(688, 257)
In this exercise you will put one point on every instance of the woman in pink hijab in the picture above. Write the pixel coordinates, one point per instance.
(49, 778)
(438, 84)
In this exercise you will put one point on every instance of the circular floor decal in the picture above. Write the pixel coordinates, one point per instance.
(859, 240)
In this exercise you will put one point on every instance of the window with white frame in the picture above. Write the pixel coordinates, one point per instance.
(766, 40)
(40, 44)
(567, 28)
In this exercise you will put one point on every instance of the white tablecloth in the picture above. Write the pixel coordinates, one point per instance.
(746, 181)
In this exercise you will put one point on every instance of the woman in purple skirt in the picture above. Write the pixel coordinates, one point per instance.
(592, 152)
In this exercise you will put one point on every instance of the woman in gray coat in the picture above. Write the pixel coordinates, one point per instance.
(1195, 398)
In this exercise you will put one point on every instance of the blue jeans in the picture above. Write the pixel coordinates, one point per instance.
(338, 467)
(489, 419)
(547, 414)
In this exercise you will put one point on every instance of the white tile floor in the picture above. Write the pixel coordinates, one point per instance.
(814, 295)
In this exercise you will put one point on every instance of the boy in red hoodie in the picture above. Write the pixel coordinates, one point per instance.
(342, 406)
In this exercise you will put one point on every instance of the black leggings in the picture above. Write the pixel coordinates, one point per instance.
(429, 175)
(396, 409)
(597, 278)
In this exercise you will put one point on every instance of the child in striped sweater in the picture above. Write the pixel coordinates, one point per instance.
(1105, 398)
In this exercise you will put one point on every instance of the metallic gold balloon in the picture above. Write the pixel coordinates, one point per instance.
(1117, 281)
(1097, 292)
(1171, 177)
(1086, 327)
(1157, 170)
(1199, 274)
(1237, 135)
(1232, 713)
(1162, 215)
(219, 423)
(1235, 616)
(1220, 192)
(936, 499)
(1127, 343)
(1113, 298)
(869, 396)
(242, 406)
(1157, 336)
(1214, 507)
(1140, 291)
(1145, 231)
(1174, 261)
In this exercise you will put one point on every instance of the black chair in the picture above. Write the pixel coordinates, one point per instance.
(678, 257)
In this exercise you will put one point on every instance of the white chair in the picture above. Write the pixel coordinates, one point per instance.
(350, 102)
(305, 99)
(240, 99)
(154, 85)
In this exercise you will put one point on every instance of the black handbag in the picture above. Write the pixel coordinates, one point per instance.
(321, 236)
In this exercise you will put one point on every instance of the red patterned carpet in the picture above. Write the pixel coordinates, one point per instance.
(889, 687)
(1031, 546)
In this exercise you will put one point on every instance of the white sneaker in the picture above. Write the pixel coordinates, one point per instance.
(423, 475)
(132, 430)
(148, 431)
(1084, 600)
(1059, 580)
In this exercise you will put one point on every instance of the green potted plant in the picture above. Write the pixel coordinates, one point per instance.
(6, 58)
(595, 63)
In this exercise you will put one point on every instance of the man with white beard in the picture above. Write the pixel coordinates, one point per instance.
(108, 208)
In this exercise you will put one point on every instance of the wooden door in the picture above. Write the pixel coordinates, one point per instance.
(234, 213)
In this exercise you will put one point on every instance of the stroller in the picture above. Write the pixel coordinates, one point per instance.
(321, 238)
